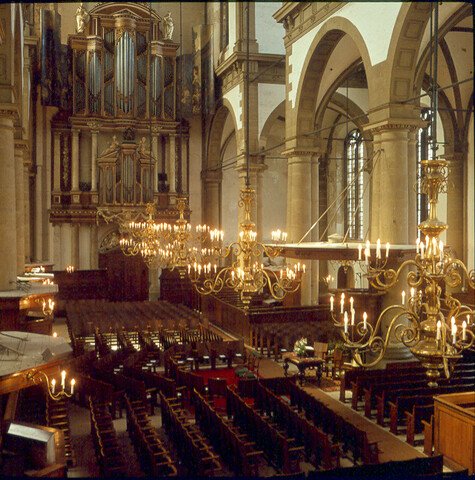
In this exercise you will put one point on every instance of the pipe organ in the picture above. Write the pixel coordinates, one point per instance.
(119, 144)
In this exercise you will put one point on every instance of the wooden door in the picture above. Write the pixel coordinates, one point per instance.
(127, 277)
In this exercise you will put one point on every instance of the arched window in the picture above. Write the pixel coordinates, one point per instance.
(424, 152)
(354, 183)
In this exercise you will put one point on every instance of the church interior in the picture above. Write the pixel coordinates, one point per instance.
(237, 239)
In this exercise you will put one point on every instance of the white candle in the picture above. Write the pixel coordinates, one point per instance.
(364, 320)
(378, 248)
(454, 333)
(351, 303)
(452, 322)
(366, 256)
(360, 247)
(468, 319)
(422, 251)
(331, 303)
(63, 379)
(441, 251)
(427, 242)
(352, 316)
(464, 330)
(342, 302)
(403, 295)
(346, 322)
(412, 291)
(53, 385)
(387, 250)
(73, 382)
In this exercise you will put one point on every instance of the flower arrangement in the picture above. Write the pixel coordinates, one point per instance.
(300, 347)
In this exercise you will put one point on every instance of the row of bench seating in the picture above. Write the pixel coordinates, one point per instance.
(153, 456)
(192, 446)
(108, 452)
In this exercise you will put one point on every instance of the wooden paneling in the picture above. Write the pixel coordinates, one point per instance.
(126, 277)
(454, 429)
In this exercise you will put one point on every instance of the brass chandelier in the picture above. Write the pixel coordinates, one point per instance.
(433, 324)
(247, 274)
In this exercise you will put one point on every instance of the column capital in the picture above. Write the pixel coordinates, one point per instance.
(94, 126)
(395, 124)
(256, 163)
(9, 111)
(302, 154)
(21, 145)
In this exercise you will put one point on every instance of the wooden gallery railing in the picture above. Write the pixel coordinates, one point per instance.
(250, 325)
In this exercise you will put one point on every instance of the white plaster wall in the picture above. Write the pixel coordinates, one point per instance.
(269, 33)
(234, 98)
(270, 97)
(359, 96)
(375, 21)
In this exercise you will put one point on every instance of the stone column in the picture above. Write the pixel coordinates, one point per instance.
(75, 160)
(57, 247)
(299, 218)
(19, 200)
(184, 163)
(211, 197)
(26, 204)
(455, 204)
(84, 262)
(94, 126)
(75, 245)
(390, 206)
(57, 162)
(314, 265)
(8, 233)
(155, 155)
(412, 178)
(66, 245)
(171, 170)
(94, 247)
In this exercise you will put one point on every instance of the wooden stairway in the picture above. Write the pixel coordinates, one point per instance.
(57, 417)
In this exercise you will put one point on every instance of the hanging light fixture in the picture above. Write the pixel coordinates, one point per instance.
(247, 275)
(433, 324)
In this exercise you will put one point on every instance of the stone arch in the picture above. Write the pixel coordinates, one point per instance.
(279, 111)
(314, 67)
(213, 158)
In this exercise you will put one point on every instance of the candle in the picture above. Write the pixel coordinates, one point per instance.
(441, 251)
(452, 322)
(438, 330)
(403, 295)
(378, 248)
(468, 319)
(427, 242)
(366, 256)
(422, 251)
(342, 302)
(454, 333)
(53, 385)
(364, 320)
(464, 330)
(72, 385)
(387, 250)
(63, 379)
(346, 322)
(352, 316)
(360, 247)
(418, 241)
(412, 291)
(331, 303)
(351, 303)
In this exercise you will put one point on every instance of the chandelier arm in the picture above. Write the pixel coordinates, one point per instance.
(393, 276)
(284, 285)
(469, 276)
